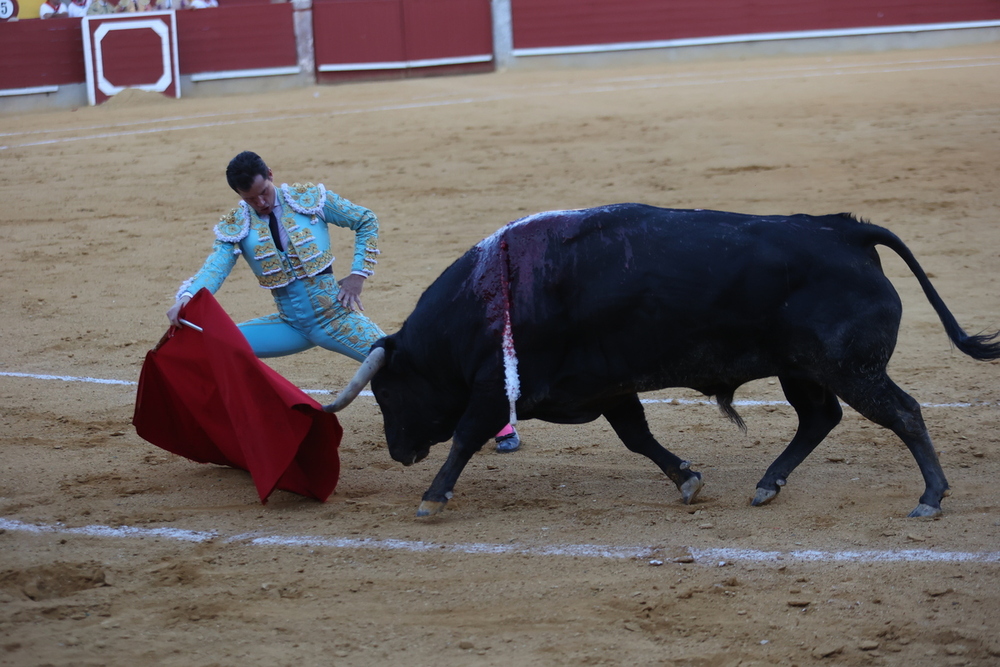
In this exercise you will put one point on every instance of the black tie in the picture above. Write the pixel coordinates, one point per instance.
(273, 224)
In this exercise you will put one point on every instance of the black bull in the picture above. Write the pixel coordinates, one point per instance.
(567, 315)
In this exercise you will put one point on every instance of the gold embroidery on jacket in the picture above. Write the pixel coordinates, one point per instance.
(303, 257)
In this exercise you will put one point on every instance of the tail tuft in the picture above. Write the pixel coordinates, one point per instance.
(982, 346)
(725, 401)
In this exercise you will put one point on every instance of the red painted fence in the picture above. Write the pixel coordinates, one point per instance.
(352, 38)
(358, 32)
(231, 38)
(539, 24)
(35, 53)
(130, 50)
(395, 38)
(41, 53)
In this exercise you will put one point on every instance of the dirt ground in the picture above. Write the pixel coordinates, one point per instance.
(571, 551)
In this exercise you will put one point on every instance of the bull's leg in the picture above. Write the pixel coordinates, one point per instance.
(879, 399)
(483, 418)
(818, 411)
(442, 488)
(628, 419)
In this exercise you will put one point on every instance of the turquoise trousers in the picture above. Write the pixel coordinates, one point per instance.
(309, 315)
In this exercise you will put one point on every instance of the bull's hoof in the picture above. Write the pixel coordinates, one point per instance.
(691, 488)
(430, 508)
(764, 496)
(923, 510)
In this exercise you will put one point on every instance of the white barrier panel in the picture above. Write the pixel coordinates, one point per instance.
(130, 51)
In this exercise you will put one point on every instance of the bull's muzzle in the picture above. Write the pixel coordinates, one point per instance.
(409, 457)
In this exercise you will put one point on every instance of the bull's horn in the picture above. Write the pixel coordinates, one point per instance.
(375, 361)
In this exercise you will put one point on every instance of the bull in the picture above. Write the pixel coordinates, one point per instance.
(565, 316)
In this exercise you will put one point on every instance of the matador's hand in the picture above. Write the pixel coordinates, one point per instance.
(350, 291)
(174, 313)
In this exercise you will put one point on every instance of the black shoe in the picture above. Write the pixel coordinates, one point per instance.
(508, 443)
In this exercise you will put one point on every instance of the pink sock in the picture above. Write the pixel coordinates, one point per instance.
(506, 430)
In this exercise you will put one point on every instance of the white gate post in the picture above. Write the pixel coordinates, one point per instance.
(503, 34)
(303, 21)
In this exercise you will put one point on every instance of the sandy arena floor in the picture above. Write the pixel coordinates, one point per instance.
(113, 552)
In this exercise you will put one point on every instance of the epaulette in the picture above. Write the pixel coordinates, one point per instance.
(305, 198)
(235, 225)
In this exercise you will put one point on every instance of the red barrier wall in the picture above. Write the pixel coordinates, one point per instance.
(397, 38)
(142, 65)
(551, 23)
(439, 29)
(358, 31)
(373, 38)
(131, 50)
(37, 53)
(236, 38)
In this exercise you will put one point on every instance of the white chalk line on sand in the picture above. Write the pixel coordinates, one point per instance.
(610, 85)
(327, 392)
(655, 555)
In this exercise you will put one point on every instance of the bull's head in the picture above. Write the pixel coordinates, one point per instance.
(415, 415)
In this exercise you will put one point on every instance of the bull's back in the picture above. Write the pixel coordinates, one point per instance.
(637, 295)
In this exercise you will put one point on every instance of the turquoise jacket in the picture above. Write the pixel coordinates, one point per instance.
(307, 212)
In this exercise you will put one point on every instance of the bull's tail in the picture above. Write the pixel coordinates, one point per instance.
(983, 346)
(725, 400)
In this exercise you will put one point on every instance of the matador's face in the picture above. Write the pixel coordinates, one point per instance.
(261, 195)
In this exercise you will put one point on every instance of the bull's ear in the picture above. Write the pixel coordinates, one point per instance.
(387, 343)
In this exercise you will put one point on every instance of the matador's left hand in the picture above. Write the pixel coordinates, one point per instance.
(350, 291)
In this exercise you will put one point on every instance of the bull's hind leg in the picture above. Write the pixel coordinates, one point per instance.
(818, 411)
(628, 419)
(879, 399)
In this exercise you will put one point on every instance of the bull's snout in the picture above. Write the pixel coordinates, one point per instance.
(410, 457)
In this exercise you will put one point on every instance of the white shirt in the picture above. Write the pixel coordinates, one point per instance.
(46, 10)
(77, 11)
(277, 210)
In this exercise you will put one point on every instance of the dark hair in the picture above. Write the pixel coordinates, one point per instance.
(244, 169)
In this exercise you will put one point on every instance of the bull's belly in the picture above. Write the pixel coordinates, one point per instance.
(582, 398)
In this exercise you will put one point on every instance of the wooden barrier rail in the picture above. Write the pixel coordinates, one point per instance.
(333, 40)
(543, 27)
